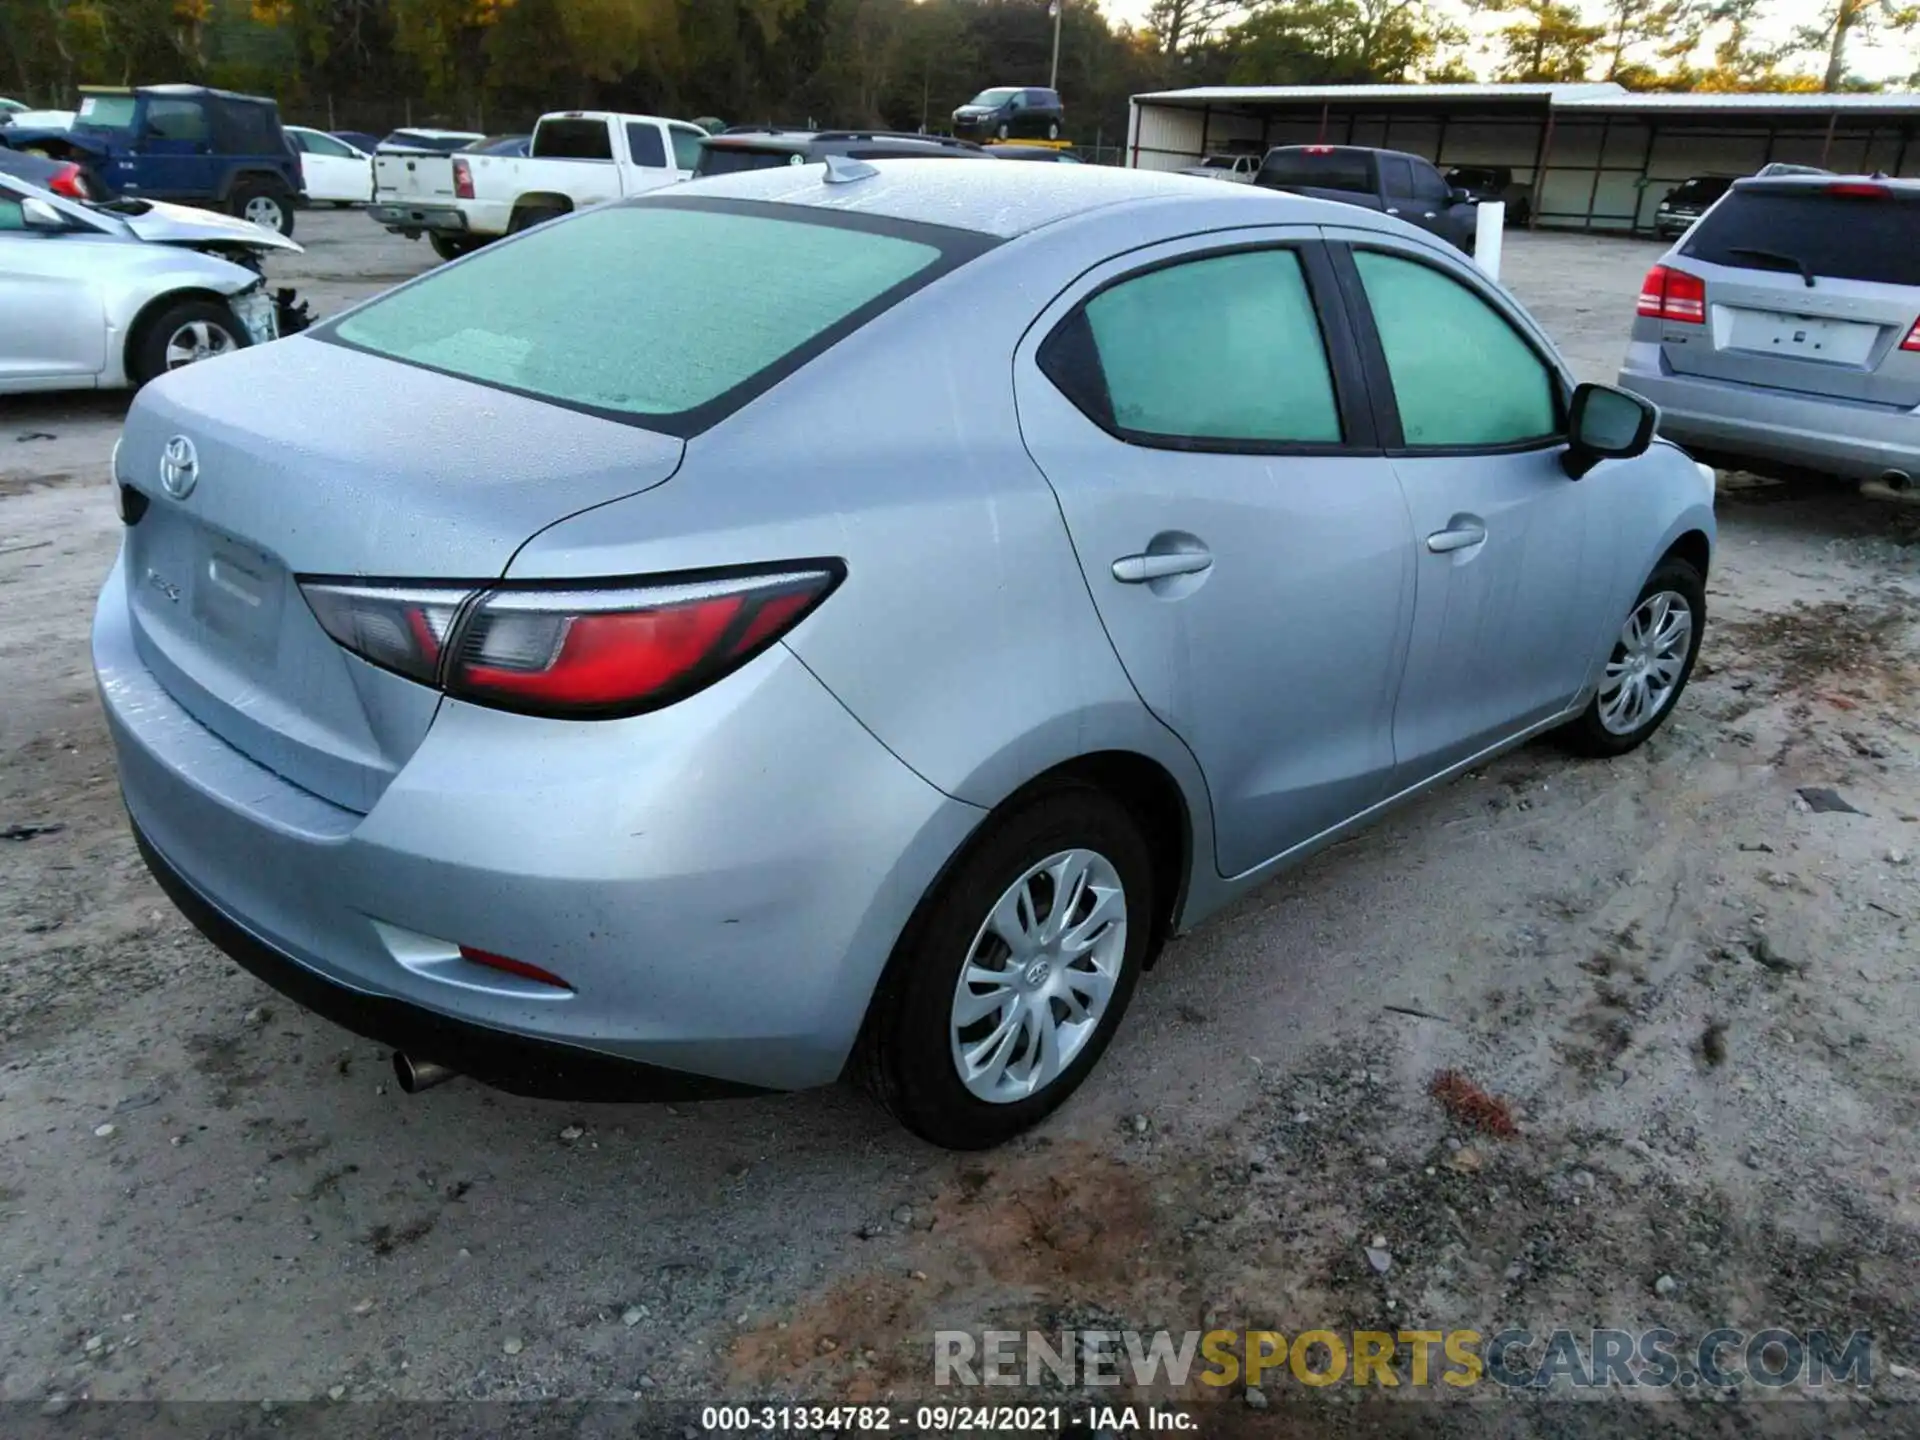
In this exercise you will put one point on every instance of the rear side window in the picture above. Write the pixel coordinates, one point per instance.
(573, 140)
(1462, 375)
(1396, 176)
(1319, 169)
(668, 314)
(1222, 349)
(176, 120)
(1840, 237)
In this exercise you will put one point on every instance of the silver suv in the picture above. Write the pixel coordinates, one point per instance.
(1782, 333)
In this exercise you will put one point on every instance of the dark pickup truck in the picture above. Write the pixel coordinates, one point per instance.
(1385, 180)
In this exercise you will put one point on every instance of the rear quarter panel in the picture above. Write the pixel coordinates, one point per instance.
(963, 636)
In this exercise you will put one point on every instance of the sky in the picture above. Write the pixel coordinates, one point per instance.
(1880, 62)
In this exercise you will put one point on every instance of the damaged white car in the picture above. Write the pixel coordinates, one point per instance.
(104, 296)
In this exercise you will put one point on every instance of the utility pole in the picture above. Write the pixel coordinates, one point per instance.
(1053, 77)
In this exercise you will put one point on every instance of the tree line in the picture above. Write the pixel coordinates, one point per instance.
(904, 64)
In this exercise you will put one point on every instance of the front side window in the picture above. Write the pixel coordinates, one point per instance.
(323, 145)
(1427, 184)
(686, 147)
(671, 315)
(1462, 375)
(1222, 349)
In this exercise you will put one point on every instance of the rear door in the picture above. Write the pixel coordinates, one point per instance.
(1241, 534)
(408, 177)
(649, 164)
(1810, 287)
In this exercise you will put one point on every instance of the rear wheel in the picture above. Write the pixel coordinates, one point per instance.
(181, 334)
(1053, 130)
(264, 205)
(528, 216)
(452, 247)
(1651, 663)
(1013, 979)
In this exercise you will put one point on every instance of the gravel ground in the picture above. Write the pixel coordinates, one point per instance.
(1695, 992)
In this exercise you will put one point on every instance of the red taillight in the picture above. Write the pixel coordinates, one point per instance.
(1318, 149)
(1859, 190)
(584, 651)
(71, 181)
(507, 965)
(1912, 342)
(1673, 295)
(462, 179)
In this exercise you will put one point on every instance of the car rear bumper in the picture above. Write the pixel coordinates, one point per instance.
(1731, 422)
(721, 882)
(407, 219)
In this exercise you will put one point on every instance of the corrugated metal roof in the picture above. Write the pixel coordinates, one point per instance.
(1272, 94)
(1603, 96)
(1797, 100)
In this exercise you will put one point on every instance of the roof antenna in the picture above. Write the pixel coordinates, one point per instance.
(844, 169)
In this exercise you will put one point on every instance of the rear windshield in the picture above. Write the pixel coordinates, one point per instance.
(1841, 237)
(731, 159)
(572, 140)
(670, 314)
(1320, 170)
(1703, 190)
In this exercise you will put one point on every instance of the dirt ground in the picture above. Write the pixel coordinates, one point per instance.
(1695, 990)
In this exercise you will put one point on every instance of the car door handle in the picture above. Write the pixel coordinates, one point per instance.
(1139, 569)
(1461, 537)
(1392, 211)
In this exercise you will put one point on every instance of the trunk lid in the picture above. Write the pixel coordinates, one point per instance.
(406, 177)
(311, 458)
(1766, 325)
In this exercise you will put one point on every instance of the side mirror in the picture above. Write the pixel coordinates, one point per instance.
(1606, 424)
(1457, 196)
(39, 215)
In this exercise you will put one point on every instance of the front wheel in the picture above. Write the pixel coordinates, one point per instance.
(183, 334)
(1012, 981)
(266, 207)
(1651, 663)
(1053, 131)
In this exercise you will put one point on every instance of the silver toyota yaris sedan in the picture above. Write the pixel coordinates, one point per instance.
(845, 618)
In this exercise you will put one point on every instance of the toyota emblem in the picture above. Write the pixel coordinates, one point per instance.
(179, 467)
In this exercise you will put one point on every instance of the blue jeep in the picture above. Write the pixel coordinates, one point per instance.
(188, 143)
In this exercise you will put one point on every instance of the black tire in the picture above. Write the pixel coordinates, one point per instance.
(147, 351)
(248, 193)
(451, 247)
(1589, 734)
(905, 1056)
(528, 216)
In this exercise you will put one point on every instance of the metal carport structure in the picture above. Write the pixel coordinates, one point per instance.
(1596, 156)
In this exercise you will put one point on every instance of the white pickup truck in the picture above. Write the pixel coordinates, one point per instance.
(577, 158)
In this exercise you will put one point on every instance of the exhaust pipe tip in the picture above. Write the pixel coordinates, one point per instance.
(414, 1075)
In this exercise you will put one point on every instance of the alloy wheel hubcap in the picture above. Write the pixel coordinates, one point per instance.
(1039, 976)
(197, 340)
(264, 211)
(1644, 671)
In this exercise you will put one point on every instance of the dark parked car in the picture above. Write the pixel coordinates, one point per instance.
(501, 145)
(1390, 181)
(361, 140)
(744, 148)
(210, 148)
(1010, 112)
(1687, 202)
(62, 177)
(1485, 184)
